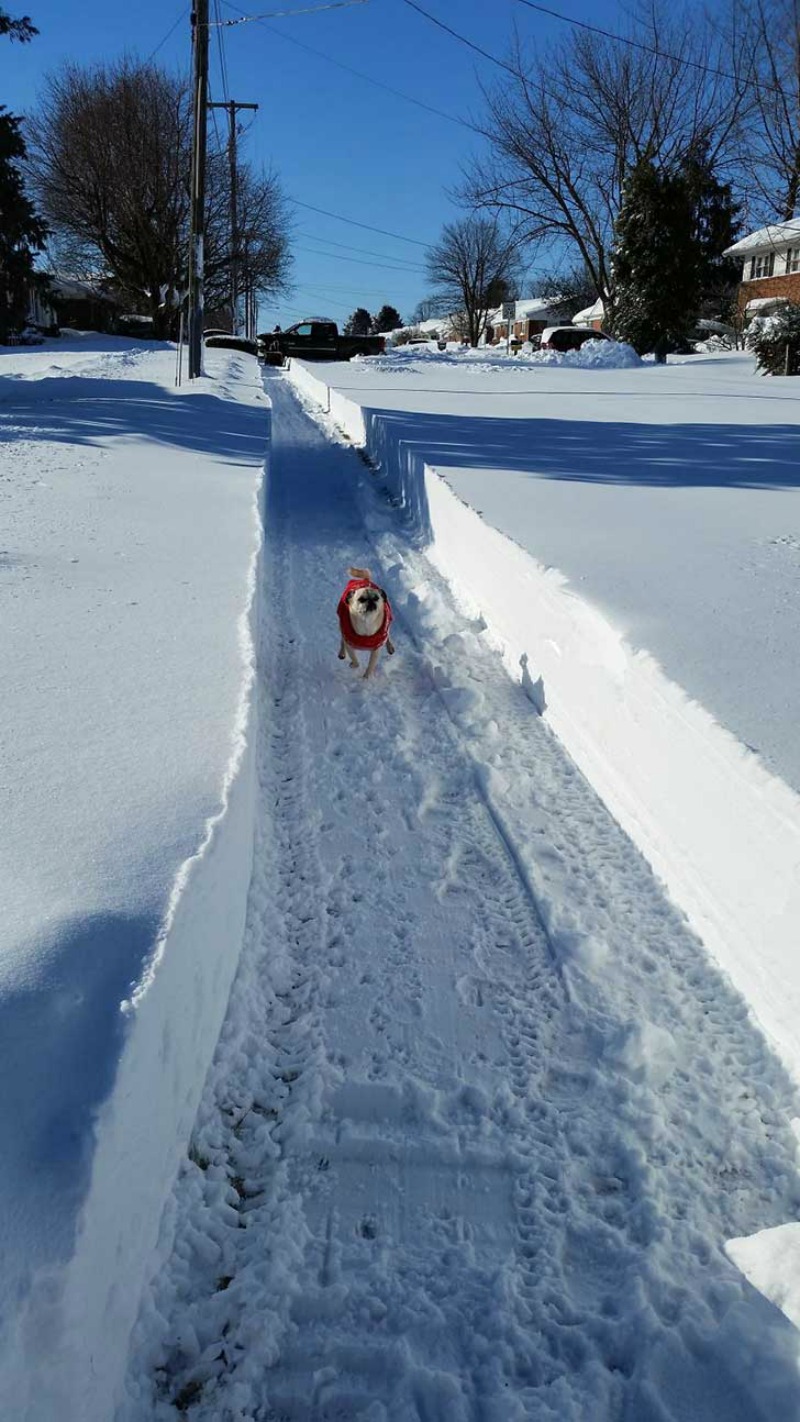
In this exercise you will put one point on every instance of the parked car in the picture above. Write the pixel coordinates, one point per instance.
(570, 338)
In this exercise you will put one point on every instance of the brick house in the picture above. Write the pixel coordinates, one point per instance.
(530, 318)
(770, 267)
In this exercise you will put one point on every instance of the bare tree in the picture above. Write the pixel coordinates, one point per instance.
(564, 135)
(767, 33)
(110, 160)
(473, 268)
(108, 151)
(264, 222)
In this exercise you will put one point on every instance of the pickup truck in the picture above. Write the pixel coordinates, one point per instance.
(317, 339)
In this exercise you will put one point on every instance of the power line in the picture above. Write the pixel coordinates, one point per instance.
(363, 251)
(338, 216)
(397, 268)
(366, 78)
(462, 39)
(281, 14)
(169, 34)
(650, 49)
(222, 66)
(595, 30)
(382, 266)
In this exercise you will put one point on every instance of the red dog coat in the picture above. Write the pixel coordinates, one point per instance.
(351, 637)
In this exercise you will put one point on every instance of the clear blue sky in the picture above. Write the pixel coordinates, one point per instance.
(337, 141)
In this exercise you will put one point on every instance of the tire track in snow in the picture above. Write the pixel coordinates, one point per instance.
(422, 1185)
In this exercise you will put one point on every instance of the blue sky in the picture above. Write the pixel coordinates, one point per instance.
(336, 140)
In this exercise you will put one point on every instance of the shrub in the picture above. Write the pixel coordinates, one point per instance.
(775, 341)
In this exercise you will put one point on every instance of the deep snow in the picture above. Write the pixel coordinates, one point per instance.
(127, 567)
(483, 1114)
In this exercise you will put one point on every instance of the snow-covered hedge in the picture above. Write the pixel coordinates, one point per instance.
(775, 341)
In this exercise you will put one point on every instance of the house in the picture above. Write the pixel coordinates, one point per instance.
(770, 267)
(84, 305)
(591, 316)
(530, 318)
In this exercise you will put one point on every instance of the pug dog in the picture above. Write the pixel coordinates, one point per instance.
(365, 616)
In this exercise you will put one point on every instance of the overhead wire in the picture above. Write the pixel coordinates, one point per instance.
(281, 14)
(359, 262)
(462, 38)
(351, 220)
(596, 30)
(363, 251)
(169, 34)
(358, 74)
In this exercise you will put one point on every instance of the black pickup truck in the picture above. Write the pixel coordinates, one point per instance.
(315, 340)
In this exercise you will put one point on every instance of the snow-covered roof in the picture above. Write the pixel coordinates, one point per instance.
(774, 236)
(761, 303)
(526, 309)
(589, 313)
(72, 289)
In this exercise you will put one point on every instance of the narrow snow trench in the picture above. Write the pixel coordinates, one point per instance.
(434, 1175)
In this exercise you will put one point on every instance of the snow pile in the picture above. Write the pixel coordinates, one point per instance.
(492, 360)
(129, 561)
(592, 355)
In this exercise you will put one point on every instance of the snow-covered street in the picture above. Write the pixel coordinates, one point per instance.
(483, 1115)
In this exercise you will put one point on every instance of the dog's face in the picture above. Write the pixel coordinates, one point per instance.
(366, 610)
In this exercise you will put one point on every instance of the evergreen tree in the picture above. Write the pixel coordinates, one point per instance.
(21, 232)
(387, 319)
(670, 236)
(21, 30)
(716, 226)
(359, 323)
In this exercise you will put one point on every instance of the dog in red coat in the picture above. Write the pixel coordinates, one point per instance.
(365, 616)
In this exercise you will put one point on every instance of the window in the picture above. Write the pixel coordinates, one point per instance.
(793, 259)
(762, 266)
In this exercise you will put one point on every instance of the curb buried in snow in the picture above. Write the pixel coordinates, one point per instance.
(720, 830)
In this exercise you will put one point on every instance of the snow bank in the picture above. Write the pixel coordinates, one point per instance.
(496, 360)
(130, 564)
(720, 830)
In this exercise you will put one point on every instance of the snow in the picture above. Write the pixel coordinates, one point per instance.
(486, 1126)
(595, 312)
(772, 236)
(128, 566)
(489, 360)
(640, 567)
(483, 1113)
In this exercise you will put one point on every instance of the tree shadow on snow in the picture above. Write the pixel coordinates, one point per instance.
(658, 456)
(88, 410)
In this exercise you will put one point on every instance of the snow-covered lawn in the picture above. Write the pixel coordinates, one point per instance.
(129, 532)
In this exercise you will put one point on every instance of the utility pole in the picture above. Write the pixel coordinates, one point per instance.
(232, 107)
(199, 23)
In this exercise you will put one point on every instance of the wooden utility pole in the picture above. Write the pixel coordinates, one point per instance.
(198, 191)
(232, 107)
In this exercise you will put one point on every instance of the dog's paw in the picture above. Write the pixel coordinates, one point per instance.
(341, 656)
(389, 649)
